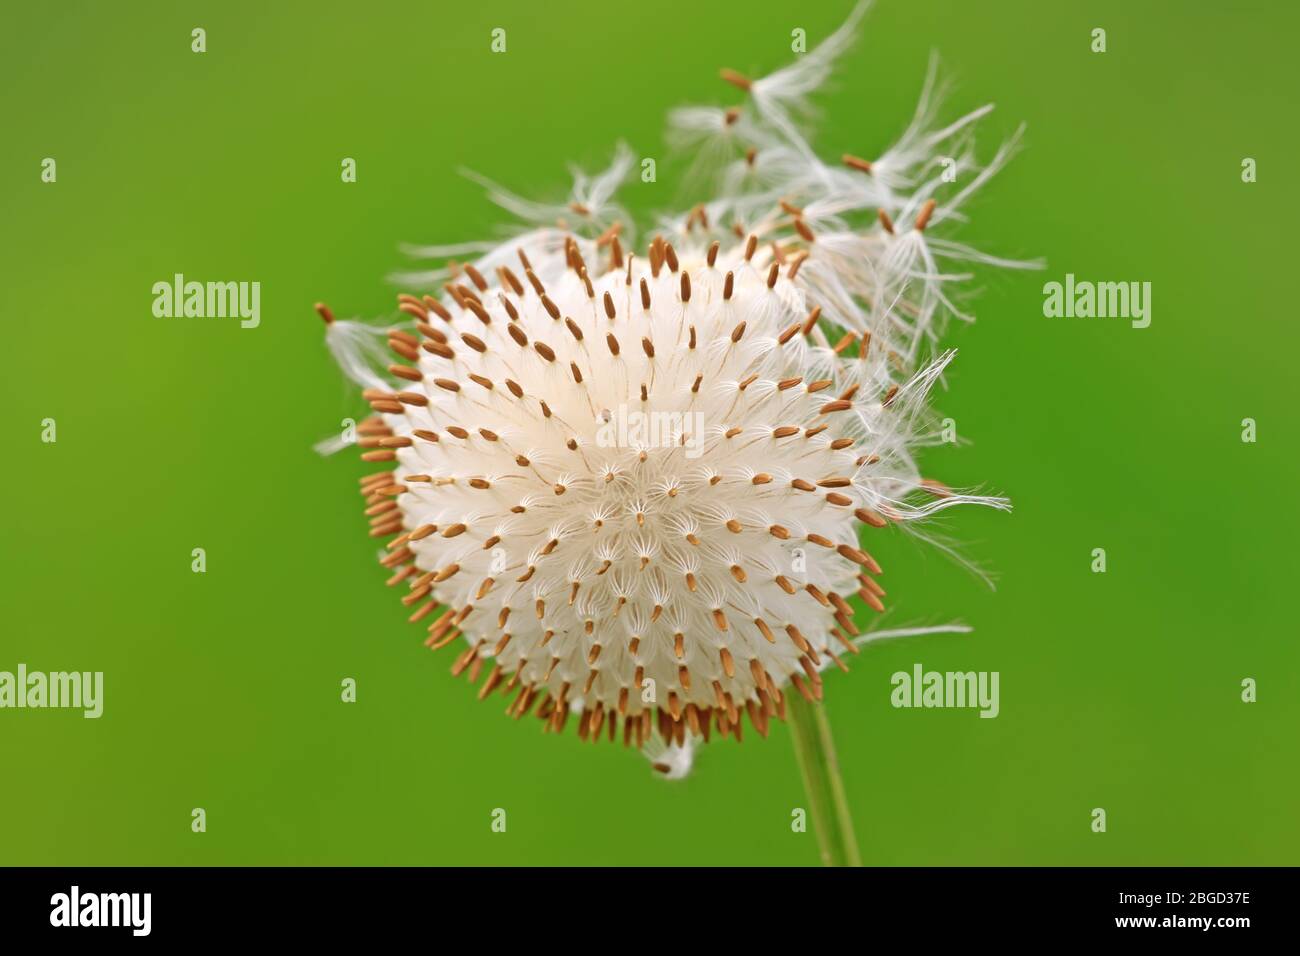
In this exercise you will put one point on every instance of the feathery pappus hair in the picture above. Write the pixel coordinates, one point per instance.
(632, 481)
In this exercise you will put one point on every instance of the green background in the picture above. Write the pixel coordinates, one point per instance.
(1118, 690)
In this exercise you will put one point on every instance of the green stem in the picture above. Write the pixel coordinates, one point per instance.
(828, 803)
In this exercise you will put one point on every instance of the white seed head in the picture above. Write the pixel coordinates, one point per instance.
(633, 481)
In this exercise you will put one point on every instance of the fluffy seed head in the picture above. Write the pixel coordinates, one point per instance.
(661, 492)
(641, 484)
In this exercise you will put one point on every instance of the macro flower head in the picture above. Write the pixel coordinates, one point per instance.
(639, 485)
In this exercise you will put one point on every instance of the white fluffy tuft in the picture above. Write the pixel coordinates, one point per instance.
(634, 483)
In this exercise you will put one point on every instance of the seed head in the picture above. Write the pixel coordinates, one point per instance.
(643, 484)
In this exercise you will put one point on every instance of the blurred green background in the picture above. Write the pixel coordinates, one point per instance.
(1118, 690)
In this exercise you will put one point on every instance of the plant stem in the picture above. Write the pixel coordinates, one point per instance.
(828, 803)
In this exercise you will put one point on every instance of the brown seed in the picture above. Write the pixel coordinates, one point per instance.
(855, 162)
(535, 282)
(511, 280)
(867, 516)
(936, 488)
(413, 308)
(736, 79)
(871, 600)
(429, 331)
(437, 308)
(478, 310)
(810, 323)
(404, 349)
(923, 217)
(476, 277)
(859, 556)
